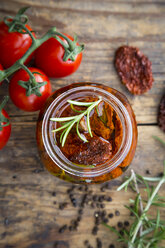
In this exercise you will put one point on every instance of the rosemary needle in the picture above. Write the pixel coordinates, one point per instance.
(70, 121)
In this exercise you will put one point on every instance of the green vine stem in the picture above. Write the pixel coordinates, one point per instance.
(17, 24)
(3, 119)
(20, 63)
(31, 86)
(71, 48)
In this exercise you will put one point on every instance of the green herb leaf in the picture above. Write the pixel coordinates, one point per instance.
(145, 232)
(72, 120)
(159, 139)
(79, 134)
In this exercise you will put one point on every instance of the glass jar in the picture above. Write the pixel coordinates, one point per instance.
(52, 157)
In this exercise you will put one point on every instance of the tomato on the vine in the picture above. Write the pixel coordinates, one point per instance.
(49, 58)
(1, 69)
(18, 93)
(13, 45)
(5, 132)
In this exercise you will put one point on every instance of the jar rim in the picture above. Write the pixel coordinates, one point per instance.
(54, 151)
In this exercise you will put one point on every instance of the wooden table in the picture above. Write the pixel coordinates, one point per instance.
(30, 216)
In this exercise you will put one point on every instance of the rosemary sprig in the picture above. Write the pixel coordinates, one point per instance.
(70, 121)
(160, 140)
(145, 232)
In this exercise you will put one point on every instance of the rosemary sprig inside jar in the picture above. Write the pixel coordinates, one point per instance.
(70, 121)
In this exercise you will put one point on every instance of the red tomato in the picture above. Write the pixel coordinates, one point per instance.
(18, 94)
(1, 69)
(5, 133)
(13, 45)
(49, 58)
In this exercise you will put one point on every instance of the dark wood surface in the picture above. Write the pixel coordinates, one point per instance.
(29, 218)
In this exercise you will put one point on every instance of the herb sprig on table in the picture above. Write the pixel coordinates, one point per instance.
(70, 121)
(146, 231)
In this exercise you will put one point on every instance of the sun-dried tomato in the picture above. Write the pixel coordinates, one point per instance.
(96, 151)
(161, 114)
(101, 121)
(107, 137)
(134, 69)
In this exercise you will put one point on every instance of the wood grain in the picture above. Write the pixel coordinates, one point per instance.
(28, 205)
(29, 218)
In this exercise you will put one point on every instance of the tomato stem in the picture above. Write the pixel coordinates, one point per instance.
(17, 24)
(20, 63)
(32, 78)
(5, 100)
(31, 85)
(28, 71)
(3, 119)
(37, 43)
(29, 32)
(71, 45)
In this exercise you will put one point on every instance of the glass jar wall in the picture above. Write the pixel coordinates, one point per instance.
(54, 156)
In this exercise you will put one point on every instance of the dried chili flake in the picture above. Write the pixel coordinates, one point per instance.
(134, 69)
(161, 114)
